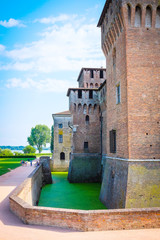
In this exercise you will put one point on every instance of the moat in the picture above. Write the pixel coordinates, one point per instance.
(62, 194)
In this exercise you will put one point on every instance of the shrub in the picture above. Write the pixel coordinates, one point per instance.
(29, 149)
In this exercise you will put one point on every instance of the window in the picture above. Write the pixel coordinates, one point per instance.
(60, 125)
(90, 94)
(118, 94)
(114, 58)
(62, 156)
(87, 85)
(148, 18)
(129, 14)
(85, 145)
(79, 93)
(112, 136)
(96, 85)
(74, 107)
(138, 16)
(60, 138)
(101, 73)
(158, 17)
(87, 119)
(91, 74)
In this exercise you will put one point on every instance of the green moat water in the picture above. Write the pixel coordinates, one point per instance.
(62, 194)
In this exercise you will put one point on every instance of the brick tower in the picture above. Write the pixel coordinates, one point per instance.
(130, 32)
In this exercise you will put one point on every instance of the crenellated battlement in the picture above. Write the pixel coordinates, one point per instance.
(117, 16)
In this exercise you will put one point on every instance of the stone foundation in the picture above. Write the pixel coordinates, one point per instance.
(130, 183)
(85, 168)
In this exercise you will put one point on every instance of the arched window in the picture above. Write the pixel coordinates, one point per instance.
(79, 107)
(62, 156)
(91, 85)
(85, 109)
(114, 57)
(148, 18)
(86, 85)
(87, 119)
(158, 17)
(96, 85)
(138, 16)
(74, 107)
(90, 109)
(129, 14)
(95, 108)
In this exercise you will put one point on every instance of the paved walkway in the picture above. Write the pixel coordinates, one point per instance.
(11, 228)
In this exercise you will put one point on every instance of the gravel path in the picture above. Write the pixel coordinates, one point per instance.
(11, 228)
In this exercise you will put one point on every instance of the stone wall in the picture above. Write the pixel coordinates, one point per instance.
(130, 183)
(85, 168)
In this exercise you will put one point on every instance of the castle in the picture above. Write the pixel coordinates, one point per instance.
(111, 133)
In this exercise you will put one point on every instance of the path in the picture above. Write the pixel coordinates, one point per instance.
(11, 228)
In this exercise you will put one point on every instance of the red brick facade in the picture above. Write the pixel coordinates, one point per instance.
(136, 68)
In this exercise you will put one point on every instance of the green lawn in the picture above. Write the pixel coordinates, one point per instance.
(62, 194)
(10, 163)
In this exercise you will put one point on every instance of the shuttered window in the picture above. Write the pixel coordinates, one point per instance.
(112, 135)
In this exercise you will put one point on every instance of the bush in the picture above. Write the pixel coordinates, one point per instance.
(29, 149)
(6, 152)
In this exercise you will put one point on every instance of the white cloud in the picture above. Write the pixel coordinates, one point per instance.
(66, 47)
(53, 20)
(46, 85)
(11, 23)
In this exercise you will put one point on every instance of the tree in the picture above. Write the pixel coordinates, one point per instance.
(29, 149)
(52, 139)
(40, 135)
(6, 152)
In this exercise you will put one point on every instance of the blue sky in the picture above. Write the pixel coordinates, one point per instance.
(43, 46)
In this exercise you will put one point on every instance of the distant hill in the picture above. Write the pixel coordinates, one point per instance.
(12, 147)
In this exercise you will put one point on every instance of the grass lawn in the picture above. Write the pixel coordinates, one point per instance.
(10, 163)
(43, 154)
(62, 194)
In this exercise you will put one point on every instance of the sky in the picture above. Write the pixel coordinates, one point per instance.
(43, 46)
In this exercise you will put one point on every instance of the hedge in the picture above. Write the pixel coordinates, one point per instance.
(22, 156)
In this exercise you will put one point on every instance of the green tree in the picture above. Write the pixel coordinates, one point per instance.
(29, 149)
(6, 152)
(40, 135)
(52, 139)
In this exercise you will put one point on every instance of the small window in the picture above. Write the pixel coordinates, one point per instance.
(79, 93)
(74, 107)
(91, 74)
(62, 156)
(112, 135)
(101, 73)
(118, 94)
(90, 94)
(87, 119)
(158, 17)
(114, 58)
(138, 16)
(148, 17)
(129, 14)
(60, 125)
(85, 145)
(87, 85)
(96, 85)
(60, 138)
